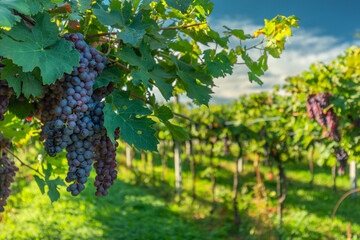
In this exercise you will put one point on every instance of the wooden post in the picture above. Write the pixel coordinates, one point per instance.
(128, 156)
(353, 176)
(213, 180)
(193, 171)
(236, 187)
(178, 170)
(143, 159)
(163, 160)
(311, 165)
(333, 174)
(150, 158)
(281, 189)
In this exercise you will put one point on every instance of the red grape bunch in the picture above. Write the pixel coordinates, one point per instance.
(341, 157)
(316, 106)
(7, 174)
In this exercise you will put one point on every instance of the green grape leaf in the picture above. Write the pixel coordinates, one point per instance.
(134, 130)
(159, 75)
(7, 19)
(112, 18)
(182, 5)
(177, 132)
(35, 6)
(218, 65)
(84, 5)
(164, 113)
(253, 77)
(131, 35)
(40, 47)
(189, 77)
(141, 76)
(21, 109)
(110, 74)
(13, 128)
(145, 60)
(53, 191)
(41, 183)
(21, 82)
(135, 31)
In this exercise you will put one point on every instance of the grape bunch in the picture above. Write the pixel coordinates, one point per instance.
(76, 122)
(5, 94)
(341, 157)
(50, 99)
(7, 174)
(315, 108)
(105, 162)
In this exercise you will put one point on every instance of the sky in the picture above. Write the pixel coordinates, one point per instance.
(327, 29)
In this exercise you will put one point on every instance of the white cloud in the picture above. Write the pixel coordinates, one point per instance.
(303, 49)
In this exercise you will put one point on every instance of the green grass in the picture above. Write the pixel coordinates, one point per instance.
(127, 213)
(142, 206)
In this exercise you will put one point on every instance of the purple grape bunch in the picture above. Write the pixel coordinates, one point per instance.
(78, 119)
(7, 173)
(315, 107)
(342, 157)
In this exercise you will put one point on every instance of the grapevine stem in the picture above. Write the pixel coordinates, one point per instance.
(255, 45)
(117, 63)
(176, 114)
(341, 200)
(27, 19)
(183, 26)
(100, 35)
(22, 163)
(160, 29)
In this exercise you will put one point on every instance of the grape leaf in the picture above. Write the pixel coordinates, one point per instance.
(182, 5)
(131, 35)
(21, 108)
(177, 132)
(148, 69)
(134, 130)
(13, 128)
(112, 18)
(41, 183)
(53, 191)
(135, 31)
(164, 114)
(84, 5)
(21, 82)
(253, 77)
(110, 74)
(6, 6)
(188, 77)
(38, 5)
(219, 64)
(40, 47)
(159, 75)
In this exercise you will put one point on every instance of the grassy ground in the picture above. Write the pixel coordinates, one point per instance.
(142, 206)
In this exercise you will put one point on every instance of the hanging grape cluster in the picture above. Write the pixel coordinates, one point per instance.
(7, 174)
(5, 94)
(341, 157)
(316, 106)
(73, 120)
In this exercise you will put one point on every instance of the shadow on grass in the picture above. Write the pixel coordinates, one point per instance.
(127, 213)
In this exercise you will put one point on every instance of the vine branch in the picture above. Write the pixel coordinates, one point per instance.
(160, 29)
(117, 63)
(146, 101)
(22, 163)
(341, 200)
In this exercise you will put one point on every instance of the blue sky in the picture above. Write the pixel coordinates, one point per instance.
(327, 28)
